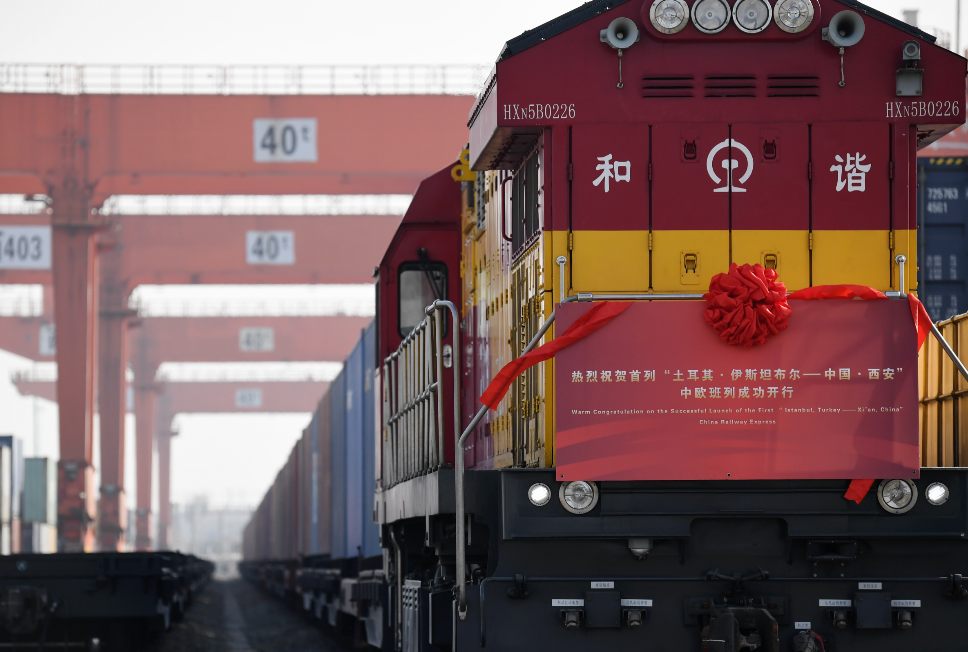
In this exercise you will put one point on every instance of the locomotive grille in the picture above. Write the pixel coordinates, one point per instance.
(675, 86)
(792, 86)
(731, 86)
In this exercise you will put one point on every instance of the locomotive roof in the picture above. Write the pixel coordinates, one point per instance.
(589, 10)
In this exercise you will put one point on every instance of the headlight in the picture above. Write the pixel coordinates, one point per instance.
(937, 493)
(539, 494)
(793, 16)
(897, 496)
(578, 497)
(710, 16)
(752, 16)
(669, 16)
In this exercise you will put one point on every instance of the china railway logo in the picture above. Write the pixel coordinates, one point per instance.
(729, 165)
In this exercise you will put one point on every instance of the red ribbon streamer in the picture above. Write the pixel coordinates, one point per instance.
(591, 321)
(922, 323)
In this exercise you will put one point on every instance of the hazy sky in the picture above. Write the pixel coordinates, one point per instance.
(296, 31)
(247, 451)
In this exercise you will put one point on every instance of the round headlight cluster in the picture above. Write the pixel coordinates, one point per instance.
(937, 493)
(578, 497)
(669, 16)
(897, 496)
(710, 16)
(750, 16)
(539, 494)
(793, 16)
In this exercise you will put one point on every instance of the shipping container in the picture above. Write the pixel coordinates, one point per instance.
(942, 242)
(371, 532)
(40, 491)
(353, 373)
(337, 421)
(323, 544)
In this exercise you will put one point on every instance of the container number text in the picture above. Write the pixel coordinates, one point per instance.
(284, 140)
(917, 109)
(25, 247)
(539, 111)
(270, 248)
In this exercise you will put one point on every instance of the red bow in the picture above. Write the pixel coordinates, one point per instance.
(746, 305)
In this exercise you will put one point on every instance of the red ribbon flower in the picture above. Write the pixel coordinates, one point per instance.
(747, 305)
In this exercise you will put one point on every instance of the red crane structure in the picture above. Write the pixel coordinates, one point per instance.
(137, 250)
(80, 149)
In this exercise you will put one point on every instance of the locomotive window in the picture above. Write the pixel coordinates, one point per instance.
(420, 285)
(524, 203)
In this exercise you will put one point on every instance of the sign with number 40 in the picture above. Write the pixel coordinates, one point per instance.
(284, 140)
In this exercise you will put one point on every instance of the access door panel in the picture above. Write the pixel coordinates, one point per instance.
(770, 200)
(610, 207)
(690, 205)
(851, 204)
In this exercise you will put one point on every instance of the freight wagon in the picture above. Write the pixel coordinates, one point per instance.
(312, 540)
(693, 459)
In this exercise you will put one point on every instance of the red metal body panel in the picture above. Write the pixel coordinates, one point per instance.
(676, 204)
(616, 196)
(777, 194)
(817, 425)
(433, 223)
(849, 207)
(580, 71)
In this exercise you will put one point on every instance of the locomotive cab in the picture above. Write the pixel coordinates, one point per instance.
(629, 153)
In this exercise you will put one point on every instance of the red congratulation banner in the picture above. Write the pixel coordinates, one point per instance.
(656, 396)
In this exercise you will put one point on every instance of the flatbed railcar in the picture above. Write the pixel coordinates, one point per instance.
(630, 152)
(101, 602)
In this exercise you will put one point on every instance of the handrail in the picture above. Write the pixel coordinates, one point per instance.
(459, 445)
(950, 351)
(455, 365)
(504, 212)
